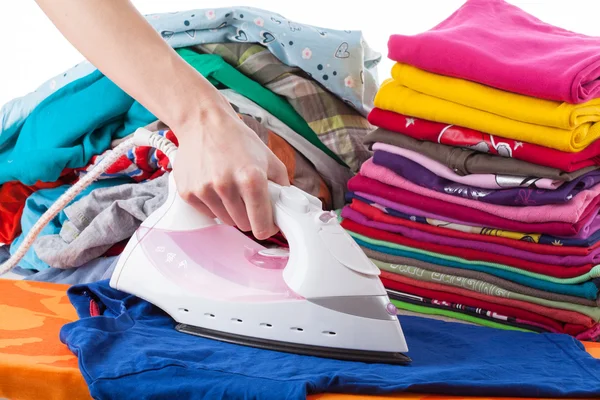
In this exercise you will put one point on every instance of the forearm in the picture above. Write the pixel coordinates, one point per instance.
(117, 39)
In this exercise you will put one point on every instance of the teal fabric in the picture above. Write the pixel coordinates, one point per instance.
(587, 290)
(68, 128)
(36, 205)
(82, 118)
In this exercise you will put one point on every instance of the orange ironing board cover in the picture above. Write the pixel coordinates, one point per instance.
(34, 364)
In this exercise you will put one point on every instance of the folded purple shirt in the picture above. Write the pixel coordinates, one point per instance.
(421, 176)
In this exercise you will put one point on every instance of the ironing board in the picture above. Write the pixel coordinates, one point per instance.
(34, 364)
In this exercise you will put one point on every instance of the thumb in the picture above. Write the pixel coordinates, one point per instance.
(277, 172)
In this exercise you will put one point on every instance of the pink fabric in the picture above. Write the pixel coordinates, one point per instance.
(361, 183)
(427, 237)
(592, 334)
(569, 212)
(484, 181)
(500, 45)
(591, 226)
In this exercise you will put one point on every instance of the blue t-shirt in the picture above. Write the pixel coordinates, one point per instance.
(132, 351)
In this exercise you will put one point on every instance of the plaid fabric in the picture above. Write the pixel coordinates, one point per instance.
(145, 163)
(340, 127)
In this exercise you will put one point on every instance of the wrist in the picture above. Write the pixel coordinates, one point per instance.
(209, 111)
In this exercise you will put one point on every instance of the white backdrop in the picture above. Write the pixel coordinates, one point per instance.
(33, 50)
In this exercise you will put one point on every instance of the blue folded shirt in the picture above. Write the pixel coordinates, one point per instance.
(132, 351)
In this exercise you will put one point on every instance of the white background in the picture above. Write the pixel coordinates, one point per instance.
(32, 50)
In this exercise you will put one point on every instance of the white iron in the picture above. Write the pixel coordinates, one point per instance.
(322, 298)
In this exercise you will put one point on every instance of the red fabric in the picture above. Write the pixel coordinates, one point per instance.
(465, 137)
(12, 202)
(468, 254)
(116, 249)
(376, 214)
(278, 240)
(94, 309)
(476, 217)
(515, 308)
(509, 311)
(140, 164)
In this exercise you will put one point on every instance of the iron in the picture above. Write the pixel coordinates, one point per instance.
(322, 297)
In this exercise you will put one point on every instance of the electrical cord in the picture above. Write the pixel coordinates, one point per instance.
(141, 137)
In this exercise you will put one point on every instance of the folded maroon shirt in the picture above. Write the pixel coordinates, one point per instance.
(458, 136)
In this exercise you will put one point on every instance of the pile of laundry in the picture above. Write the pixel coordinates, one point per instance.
(305, 91)
(481, 200)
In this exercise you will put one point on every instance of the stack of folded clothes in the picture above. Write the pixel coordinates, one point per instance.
(481, 200)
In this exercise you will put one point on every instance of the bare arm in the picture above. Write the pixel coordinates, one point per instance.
(116, 38)
(222, 166)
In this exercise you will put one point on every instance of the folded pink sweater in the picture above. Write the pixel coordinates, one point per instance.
(569, 212)
(497, 44)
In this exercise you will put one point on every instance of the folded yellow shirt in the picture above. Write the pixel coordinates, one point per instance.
(562, 126)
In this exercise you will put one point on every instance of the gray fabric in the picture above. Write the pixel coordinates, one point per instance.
(96, 270)
(465, 161)
(335, 175)
(476, 275)
(96, 222)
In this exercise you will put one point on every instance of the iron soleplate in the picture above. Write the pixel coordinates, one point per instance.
(366, 356)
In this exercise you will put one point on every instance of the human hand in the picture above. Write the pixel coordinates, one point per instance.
(222, 169)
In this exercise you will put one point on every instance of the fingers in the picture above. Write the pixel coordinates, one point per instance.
(232, 200)
(277, 172)
(191, 198)
(213, 201)
(220, 200)
(254, 191)
(242, 199)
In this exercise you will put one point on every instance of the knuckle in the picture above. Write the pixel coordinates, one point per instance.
(187, 195)
(250, 176)
(222, 185)
(203, 191)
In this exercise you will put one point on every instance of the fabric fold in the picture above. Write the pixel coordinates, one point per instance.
(518, 191)
(486, 181)
(567, 260)
(391, 263)
(531, 242)
(527, 158)
(579, 207)
(499, 45)
(469, 158)
(396, 209)
(422, 94)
